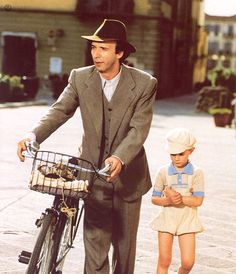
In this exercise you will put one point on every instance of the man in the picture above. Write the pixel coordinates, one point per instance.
(116, 104)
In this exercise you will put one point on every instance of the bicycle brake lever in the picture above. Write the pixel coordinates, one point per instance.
(105, 171)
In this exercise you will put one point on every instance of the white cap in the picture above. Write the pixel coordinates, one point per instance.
(178, 140)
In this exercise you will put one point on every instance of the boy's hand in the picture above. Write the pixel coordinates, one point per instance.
(169, 191)
(174, 197)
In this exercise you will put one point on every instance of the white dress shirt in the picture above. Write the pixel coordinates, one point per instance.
(109, 86)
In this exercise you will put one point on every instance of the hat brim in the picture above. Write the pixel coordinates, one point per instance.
(95, 38)
(175, 148)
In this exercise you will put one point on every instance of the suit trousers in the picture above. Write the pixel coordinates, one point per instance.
(110, 221)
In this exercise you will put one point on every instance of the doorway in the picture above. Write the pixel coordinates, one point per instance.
(19, 53)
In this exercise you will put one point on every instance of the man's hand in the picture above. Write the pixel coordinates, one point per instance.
(115, 168)
(22, 147)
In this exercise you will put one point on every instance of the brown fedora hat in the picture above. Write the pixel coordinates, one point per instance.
(111, 30)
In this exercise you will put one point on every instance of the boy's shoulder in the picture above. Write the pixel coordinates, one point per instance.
(196, 169)
(163, 170)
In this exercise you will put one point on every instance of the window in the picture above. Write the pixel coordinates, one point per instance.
(208, 28)
(228, 48)
(19, 53)
(231, 30)
(213, 47)
(212, 28)
(216, 30)
(104, 7)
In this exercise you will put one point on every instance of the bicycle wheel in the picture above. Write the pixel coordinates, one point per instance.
(64, 235)
(62, 242)
(41, 257)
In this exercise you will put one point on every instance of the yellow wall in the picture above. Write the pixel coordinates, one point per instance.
(142, 7)
(200, 40)
(166, 10)
(71, 47)
(58, 5)
(198, 12)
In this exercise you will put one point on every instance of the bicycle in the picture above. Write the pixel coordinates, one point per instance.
(70, 180)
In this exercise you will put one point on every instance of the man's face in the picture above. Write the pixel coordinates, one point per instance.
(105, 58)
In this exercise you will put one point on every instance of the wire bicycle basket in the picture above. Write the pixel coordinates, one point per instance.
(61, 174)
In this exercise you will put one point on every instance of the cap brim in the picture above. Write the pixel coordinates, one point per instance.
(95, 38)
(175, 149)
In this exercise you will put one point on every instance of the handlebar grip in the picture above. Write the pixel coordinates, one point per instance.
(31, 148)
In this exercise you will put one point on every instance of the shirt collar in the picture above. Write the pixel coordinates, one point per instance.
(113, 82)
(188, 169)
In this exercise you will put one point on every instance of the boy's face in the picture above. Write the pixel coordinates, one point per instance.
(180, 160)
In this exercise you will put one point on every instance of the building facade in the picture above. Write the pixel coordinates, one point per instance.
(221, 41)
(44, 37)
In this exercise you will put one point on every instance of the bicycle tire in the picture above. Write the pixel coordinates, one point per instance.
(41, 259)
(64, 235)
(61, 243)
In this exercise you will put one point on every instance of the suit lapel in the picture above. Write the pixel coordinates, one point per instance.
(121, 100)
(93, 100)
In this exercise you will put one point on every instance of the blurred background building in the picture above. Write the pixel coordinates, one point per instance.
(43, 38)
(221, 41)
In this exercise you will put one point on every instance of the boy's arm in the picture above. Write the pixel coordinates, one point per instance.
(197, 197)
(173, 199)
(177, 199)
(192, 200)
(161, 201)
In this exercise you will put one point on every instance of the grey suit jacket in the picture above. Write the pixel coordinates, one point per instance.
(132, 110)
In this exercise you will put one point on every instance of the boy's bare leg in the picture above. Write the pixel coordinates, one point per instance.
(187, 245)
(165, 243)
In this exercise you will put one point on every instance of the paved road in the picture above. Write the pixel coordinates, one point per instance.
(215, 152)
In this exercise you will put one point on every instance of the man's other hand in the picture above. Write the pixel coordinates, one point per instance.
(115, 168)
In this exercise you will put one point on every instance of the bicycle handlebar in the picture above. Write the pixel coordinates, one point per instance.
(33, 147)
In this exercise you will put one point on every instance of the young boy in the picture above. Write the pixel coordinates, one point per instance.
(179, 189)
